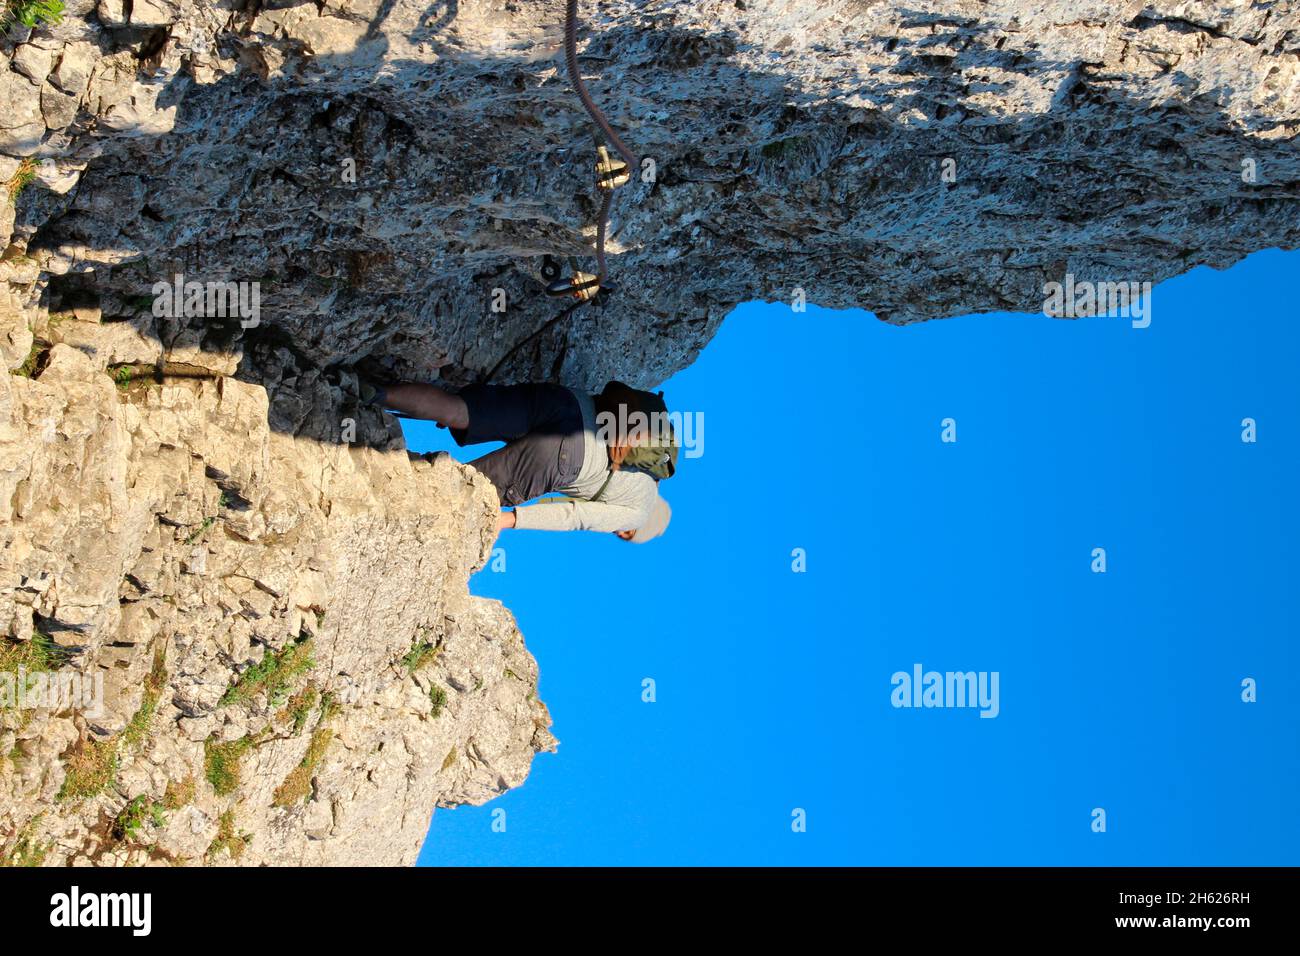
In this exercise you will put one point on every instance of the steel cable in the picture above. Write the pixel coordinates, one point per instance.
(575, 80)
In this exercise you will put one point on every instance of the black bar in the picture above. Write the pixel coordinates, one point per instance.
(300, 906)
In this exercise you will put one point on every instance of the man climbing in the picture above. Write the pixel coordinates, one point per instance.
(606, 454)
(593, 450)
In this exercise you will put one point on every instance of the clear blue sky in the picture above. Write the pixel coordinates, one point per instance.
(1119, 690)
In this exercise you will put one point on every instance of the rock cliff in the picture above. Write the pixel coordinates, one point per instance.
(293, 670)
(272, 591)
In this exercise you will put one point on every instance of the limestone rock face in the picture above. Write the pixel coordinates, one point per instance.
(195, 507)
(273, 628)
(383, 169)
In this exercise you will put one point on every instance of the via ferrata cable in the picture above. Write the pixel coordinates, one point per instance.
(579, 87)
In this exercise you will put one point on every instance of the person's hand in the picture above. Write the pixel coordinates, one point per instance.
(505, 519)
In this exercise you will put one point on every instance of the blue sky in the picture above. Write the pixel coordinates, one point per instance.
(1119, 690)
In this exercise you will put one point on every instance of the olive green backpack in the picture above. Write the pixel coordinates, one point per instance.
(658, 459)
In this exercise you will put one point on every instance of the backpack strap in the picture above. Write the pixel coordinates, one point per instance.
(609, 476)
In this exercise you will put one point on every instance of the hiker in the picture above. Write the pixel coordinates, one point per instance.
(558, 440)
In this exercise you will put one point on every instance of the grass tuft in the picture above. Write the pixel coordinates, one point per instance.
(154, 683)
(296, 787)
(31, 366)
(23, 176)
(40, 654)
(273, 673)
(439, 698)
(300, 707)
(221, 763)
(329, 707)
(422, 653)
(26, 850)
(203, 529)
(228, 838)
(89, 770)
(179, 793)
(132, 818)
